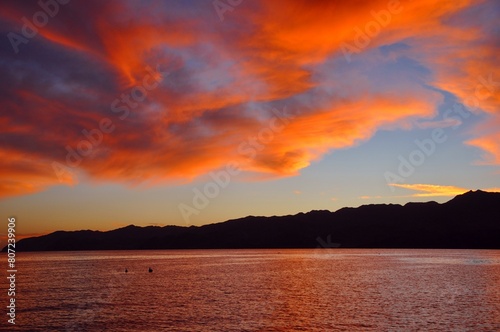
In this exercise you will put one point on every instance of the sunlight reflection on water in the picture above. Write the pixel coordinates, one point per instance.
(259, 290)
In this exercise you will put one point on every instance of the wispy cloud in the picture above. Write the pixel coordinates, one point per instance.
(439, 124)
(369, 197)
(430, 190)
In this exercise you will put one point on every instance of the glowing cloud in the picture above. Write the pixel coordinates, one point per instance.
(430, 190)
(220, 84)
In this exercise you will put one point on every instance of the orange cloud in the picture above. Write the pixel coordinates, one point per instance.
(430, 190)
(21, 174)
(490, 144)
(223, 82)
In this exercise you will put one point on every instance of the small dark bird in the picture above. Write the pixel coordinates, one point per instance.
(150, 270)
(126, 270)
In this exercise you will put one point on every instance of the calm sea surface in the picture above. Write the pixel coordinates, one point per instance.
(257, 290)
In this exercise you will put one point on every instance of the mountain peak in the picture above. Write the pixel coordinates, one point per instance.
(477, 196)
(476, 193)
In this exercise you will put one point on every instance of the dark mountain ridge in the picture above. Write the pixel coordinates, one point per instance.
(470, 220)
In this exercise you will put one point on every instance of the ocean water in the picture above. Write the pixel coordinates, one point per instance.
(257, 290)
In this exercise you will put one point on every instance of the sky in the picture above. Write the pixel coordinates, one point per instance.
(193, 112)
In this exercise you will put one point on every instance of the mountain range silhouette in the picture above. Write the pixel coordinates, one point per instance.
(468, 221)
